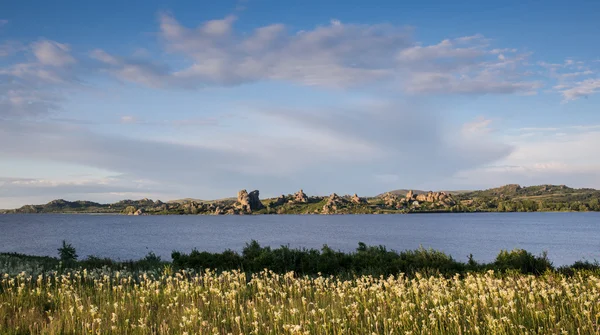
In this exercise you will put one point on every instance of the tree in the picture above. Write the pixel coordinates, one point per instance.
(594, 204)
(67, 252)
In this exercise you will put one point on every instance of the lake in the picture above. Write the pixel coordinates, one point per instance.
(567, 237)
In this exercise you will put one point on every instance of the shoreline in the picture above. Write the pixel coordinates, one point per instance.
(253, 258)
(303, 214)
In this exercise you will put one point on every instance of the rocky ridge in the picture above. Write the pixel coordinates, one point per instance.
(502, 199)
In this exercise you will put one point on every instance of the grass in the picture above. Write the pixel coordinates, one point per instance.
(232, 302)
(299, 291)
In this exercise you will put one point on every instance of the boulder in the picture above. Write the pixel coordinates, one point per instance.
(300, 197)
(248, 202)
(441, 198)
(138, 212)
(358, 200)
(391, 200)
(129, 210)
(281, 200)
(410, 195)
(334, 202)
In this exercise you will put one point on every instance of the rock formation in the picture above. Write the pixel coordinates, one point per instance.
(334, 202)
(358, 200)
(441, 198)
(393, 201)
(300, 197)
(248, 202)
(281, 200)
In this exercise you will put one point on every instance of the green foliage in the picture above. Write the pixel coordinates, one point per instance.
(366, 260)
(129, 210)
(373, 260)
(67, 252)
(523, 261)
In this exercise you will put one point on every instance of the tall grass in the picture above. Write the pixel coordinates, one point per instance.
(370, 291)
(231, 302)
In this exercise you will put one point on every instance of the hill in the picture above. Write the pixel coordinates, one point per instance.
(404, 191)
(514, 197)
(507, 198)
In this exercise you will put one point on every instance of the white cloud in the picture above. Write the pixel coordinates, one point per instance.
(337, 55)
(580, 89)
(133, 70)
(52, 53)
(567, 155)
(477, 127)
(451, 49)
(315, 149)
(128, 119)
(573, 79)
(34, 88)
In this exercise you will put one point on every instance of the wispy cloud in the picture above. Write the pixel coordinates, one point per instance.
(574, 79)
(336, 55)
(34, 88)
(568, 155)
(580, 89)
(52, 53)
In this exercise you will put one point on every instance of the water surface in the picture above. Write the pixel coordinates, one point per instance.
(567, 237)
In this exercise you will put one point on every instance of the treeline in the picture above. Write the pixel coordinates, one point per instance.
(527, 205)
(366, 260)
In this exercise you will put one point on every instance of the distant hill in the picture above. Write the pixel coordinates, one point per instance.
(184, 200)
(507, 198)
(403, 192)
(181, 201)
(540, 191)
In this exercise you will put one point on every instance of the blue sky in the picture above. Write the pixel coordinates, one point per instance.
(110, 100)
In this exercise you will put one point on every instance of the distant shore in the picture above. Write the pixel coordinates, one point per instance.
(508, 198)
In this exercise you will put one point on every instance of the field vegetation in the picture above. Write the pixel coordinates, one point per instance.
(297, 291)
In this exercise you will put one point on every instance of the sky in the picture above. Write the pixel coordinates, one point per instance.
(112, 100)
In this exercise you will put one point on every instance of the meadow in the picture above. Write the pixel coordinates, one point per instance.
(431, 294)
(231, 302)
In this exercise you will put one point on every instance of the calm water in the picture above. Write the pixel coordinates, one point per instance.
(566, 236)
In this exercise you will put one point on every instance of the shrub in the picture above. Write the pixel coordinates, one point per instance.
(67, 252)
(519, 259)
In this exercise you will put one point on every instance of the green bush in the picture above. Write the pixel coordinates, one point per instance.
(523, 261)
(67, 253)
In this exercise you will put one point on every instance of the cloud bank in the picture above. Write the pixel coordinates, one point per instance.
(281, 147)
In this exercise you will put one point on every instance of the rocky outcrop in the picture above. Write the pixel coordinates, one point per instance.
(139, 212)
(389, 199)
(129, 210)
(358, 200)
(248, 202)
(441, 198)
(300, 197)
(281, 200)
(334, 202)
(393, 201)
